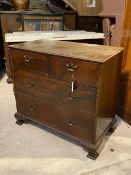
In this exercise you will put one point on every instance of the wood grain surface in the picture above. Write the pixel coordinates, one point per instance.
(69, 87)
(80, 51)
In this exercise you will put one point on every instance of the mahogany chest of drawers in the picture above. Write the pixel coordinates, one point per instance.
(69, 87)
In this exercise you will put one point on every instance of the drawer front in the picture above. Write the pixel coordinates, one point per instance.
(83, 97)
(61, 117)
(82, 71)
(30, 61)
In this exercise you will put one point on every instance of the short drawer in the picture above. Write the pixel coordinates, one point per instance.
(30, 61)
(42, 86)
(63, 118)
(63, 68)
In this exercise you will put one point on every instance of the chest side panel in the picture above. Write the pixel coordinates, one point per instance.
(107, 93)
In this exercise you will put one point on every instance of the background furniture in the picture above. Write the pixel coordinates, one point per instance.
(75, 35)
(77, 80)
(117, 29)
(89, 23)
(42, 22)
(125, 92)
(12, 21)
(112, 14)
(86, 7)
(88, 18)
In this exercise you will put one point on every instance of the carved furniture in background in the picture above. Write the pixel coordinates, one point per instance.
(65, 86)
(12, 21)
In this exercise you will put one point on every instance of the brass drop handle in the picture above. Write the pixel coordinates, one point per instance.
(71, 123)
(30, 84)
(32, 108)
(71, 67)
(27, 58)
(71, 96)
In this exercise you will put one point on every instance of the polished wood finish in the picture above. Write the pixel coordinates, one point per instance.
(29, 60)
(56, 90)
(64, 118)
(75, 93)
(78, 51)
(59, 67)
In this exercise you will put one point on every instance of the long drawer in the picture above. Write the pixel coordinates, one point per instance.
(83, 97)
(30, 61)
(71, 121)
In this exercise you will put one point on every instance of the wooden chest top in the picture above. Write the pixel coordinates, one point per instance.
(88, 52)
